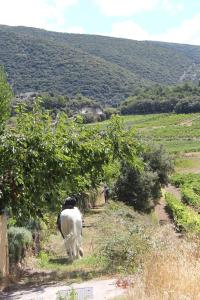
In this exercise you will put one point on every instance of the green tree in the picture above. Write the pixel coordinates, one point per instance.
(5, 99)
(138, 186)
(42, 160)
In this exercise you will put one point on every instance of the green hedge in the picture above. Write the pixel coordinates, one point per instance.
(185, 217)
(189, 196)
(181, 179)
(19, 240)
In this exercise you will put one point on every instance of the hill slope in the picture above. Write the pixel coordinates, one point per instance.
(104, 68)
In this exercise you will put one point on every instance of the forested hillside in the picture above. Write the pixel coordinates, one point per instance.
(182, 98)
(102, 68)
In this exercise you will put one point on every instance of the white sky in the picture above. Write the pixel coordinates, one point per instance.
(164, 20)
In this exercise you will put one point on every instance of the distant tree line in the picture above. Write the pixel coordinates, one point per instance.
(183, 98)
(71, 106)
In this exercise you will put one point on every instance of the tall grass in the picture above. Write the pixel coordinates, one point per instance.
(173, 273)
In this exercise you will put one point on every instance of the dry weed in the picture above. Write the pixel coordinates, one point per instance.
(171, 273)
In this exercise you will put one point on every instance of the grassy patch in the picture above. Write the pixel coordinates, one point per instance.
(115, 238)
(124, 238)
(83, 269)
(187, 163)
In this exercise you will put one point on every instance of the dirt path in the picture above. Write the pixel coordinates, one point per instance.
(160, 208)
(94, 289)
(173, 190)
(161, 213)
(47, 289)
(99, 289)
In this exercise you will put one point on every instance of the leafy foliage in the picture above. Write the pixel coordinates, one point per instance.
(34, 165)
(5, 99)
(19, 240)
(136, 186)
(42, 161)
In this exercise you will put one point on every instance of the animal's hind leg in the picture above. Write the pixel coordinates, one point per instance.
(69, 250)
(80, 251)
(75, 252)
(79, 248)
(70, 254)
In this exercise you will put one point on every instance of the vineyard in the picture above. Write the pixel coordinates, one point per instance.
(185, 212)
(177, 132)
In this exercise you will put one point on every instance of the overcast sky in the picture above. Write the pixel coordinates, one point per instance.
(163, 20)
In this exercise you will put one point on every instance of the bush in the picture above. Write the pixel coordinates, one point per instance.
(123, 250)
(124, 238)
(158, 160)
(138, 187)
(135, 187)
(19, 240)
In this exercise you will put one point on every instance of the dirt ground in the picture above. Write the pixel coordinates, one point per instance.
(160, 208)
(94, 289)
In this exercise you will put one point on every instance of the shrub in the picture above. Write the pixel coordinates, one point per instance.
(122, 241)
(19, 240)
(137, 187)
(121, 251)
(158, 160)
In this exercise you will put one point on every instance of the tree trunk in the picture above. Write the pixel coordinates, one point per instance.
(4, 264)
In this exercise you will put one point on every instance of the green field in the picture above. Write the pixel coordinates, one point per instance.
(177, 132)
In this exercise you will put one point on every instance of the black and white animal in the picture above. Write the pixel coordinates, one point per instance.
(70, 225)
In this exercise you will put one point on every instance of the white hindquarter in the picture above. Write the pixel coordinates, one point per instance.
(71, 227)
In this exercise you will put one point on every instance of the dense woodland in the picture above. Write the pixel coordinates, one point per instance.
(183, 98)
(102, 68)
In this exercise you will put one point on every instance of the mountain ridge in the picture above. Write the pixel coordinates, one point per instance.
(102, 68)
